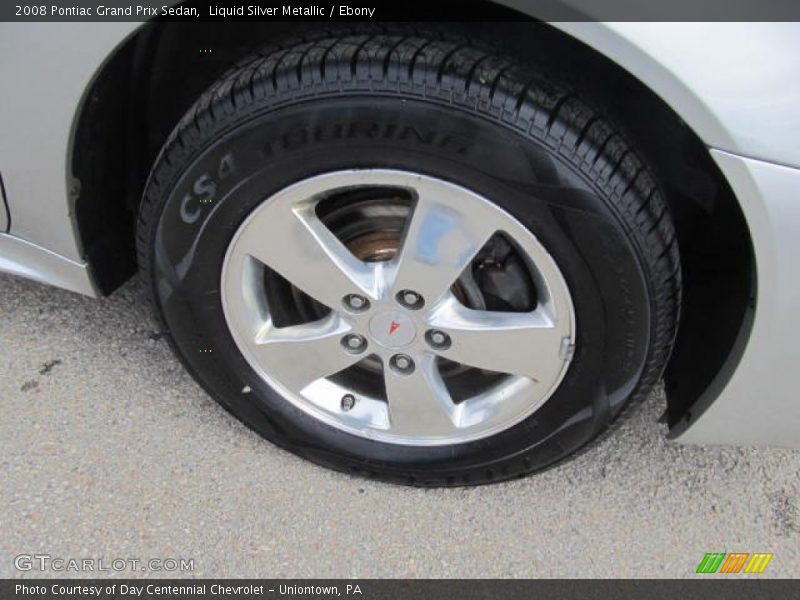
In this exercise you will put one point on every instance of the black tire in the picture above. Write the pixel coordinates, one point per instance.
(473, 117)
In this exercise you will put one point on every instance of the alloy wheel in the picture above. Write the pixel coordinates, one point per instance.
(394, 320)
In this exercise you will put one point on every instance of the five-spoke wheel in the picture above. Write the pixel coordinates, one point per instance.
(410, 257)
(402, 311)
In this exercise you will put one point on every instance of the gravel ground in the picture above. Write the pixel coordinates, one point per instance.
(110, 450)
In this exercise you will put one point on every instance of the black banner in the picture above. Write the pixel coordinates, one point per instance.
(371, 589)
(401, 10)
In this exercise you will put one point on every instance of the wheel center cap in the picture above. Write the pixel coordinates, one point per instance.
(392, 329)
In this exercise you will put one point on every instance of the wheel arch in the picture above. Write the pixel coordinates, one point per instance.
(142, 89)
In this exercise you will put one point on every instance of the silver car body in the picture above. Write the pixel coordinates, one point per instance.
(734, 84)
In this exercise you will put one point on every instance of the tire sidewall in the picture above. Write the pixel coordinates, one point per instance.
(213, 190)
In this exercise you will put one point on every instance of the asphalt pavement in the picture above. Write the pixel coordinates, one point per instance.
(108, 449)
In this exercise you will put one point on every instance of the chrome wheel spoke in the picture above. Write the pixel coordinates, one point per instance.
(301, 354)
(526, 344)
(305, 252)
(441, 241)
(419, 403)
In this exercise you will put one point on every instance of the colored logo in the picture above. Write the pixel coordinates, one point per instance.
(393, 326)
(734, 562)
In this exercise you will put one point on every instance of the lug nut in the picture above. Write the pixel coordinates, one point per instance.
(354, 343)
(348, 402)
(438, 340)
(355, 302)
(410, 299)
(402, 364)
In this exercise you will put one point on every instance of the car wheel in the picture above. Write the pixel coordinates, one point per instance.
(410, 257)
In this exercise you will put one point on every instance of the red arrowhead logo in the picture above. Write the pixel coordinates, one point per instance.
(393, 326)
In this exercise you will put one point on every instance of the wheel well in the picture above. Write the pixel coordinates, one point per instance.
(153, 78)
